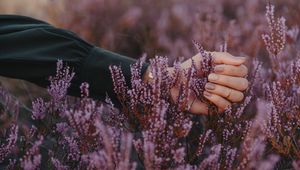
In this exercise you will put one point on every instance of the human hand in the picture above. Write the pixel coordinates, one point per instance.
(226, 83)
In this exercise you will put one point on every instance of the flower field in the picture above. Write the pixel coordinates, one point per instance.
(144, 128)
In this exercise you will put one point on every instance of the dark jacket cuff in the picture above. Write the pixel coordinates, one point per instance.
(96, 71)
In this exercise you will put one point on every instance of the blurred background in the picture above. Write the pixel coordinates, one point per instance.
(157, 27)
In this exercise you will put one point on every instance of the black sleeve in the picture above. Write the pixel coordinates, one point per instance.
(29, 50)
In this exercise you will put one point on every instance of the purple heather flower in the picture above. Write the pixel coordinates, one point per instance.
(95, 160)
(119, 82)
(206, 63)
(82, 117)
(231, 154)
(112, 116)
(242, 107)
(125, 153)
(11, 165)
(116, 150)
(269, 163)
(295, 72)
(39, 109)
(253, 150)
(60, 83)
(32, 159)
(62, 127)
(149, 155)
(275, 41)
(73, 149)
(212, 161)
(296, 165)
(31, 164)
(293, 33)
(33, 131)
(11, 141)
(10, 104)
(84, 90)
(178, 155)
(202, 141)
(58, 165)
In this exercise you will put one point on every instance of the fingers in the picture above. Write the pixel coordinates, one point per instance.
(225, 92)
(188, 63)
(227, 81)
(236, 83)
(226, 58)
(198, 107)
(219, 101)
(231, 70)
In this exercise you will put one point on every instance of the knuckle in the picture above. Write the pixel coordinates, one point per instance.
(227, 80)
(216, 99)
(240, 96)
(227, 92)
(215, 56)
(214, 53)
(228, 55)
(197, 57)
(233, 70)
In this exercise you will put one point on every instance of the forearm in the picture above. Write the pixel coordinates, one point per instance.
(96, 71)
(29, 50)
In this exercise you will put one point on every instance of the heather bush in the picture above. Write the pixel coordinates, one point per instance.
(131, 28)
(149, 130)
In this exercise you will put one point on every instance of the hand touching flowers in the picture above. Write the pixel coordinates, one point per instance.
(225, 85)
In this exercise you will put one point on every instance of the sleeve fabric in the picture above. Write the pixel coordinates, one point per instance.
(29, 50)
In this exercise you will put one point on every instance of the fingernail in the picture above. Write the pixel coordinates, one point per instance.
(210, 86)
(206, 94)
(219, 69)
(213, 77)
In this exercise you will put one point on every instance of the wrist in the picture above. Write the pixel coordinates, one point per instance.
(147, 75)
(170, 71)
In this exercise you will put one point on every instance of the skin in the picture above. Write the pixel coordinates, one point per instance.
(226, 83)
